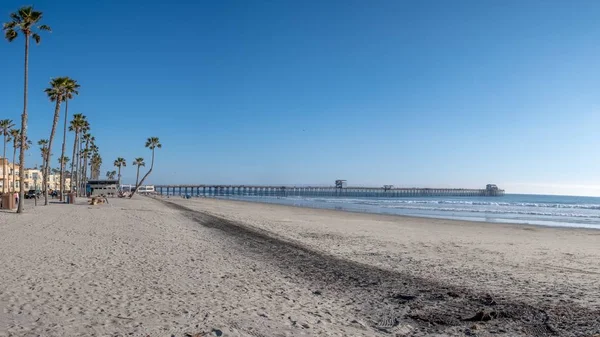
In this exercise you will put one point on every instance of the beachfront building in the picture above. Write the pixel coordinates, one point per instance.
(146, 189)
(12, 172)
(54, 182)
(127, 188)
(34, 179)
(107, 188)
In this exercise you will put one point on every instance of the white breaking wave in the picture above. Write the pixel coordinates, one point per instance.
(504, 211)
(383, 202)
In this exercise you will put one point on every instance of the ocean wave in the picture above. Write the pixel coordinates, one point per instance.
(503, 211)
(387, 202)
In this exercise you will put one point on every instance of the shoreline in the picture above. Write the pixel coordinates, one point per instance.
(502, 222)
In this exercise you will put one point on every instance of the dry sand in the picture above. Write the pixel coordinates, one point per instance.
(173, 266)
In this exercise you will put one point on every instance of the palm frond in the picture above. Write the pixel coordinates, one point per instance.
(9, 25)
(35, 16)
(16, 19)
(25, 20)
(25, 12)
(10, 35)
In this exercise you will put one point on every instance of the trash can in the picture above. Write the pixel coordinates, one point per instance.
(8, 201)
(71, 198)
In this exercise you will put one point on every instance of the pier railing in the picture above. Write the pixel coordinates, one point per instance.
(313, 191)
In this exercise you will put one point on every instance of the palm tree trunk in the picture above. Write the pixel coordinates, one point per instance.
(119, 176)
(85, 161)
(73, 160)
(23, 130)
(79, 164)
(49, 153)
(81, 176)
(64, 143)
(145, 176)
(4, 167)
(77, 187)
(14, 184)
(45, 178)
(137, 176)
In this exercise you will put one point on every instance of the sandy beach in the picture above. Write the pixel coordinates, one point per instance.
(163, 267)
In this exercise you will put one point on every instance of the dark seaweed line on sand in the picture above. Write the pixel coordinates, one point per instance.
(384, 295)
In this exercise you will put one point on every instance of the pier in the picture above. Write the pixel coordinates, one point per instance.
(339, 190)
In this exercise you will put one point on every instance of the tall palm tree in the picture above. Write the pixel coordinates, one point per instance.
(5, 126)
(151, 143)
(43, 143)
(139, 162)
(25, 21)
(89, 140)
(71, 88)
(77, 125)
(16, 139)
(96, 163)
(93, 155)
(120, 162)
(81, 186)
(57, 92)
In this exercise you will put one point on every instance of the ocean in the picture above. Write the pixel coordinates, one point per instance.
(543, 210)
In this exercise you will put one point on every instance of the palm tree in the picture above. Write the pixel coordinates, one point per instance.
(89, 139)
(139, 162)
(71, 88)
(15, 134)
(5, 126)
(151, 143)
(80, 159)
(120, 162)
(43, 143)
(78, 124)
(93, 156)
(95, 164)
(61, 88)
(110, 175)
(26, 21)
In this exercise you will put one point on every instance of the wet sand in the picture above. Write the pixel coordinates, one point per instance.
(175, 266)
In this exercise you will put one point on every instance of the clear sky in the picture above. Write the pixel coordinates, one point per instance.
(420, 93)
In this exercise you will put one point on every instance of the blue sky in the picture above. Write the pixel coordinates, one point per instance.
(428, 93)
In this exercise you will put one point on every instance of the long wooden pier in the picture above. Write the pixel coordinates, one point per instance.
(316, 191)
